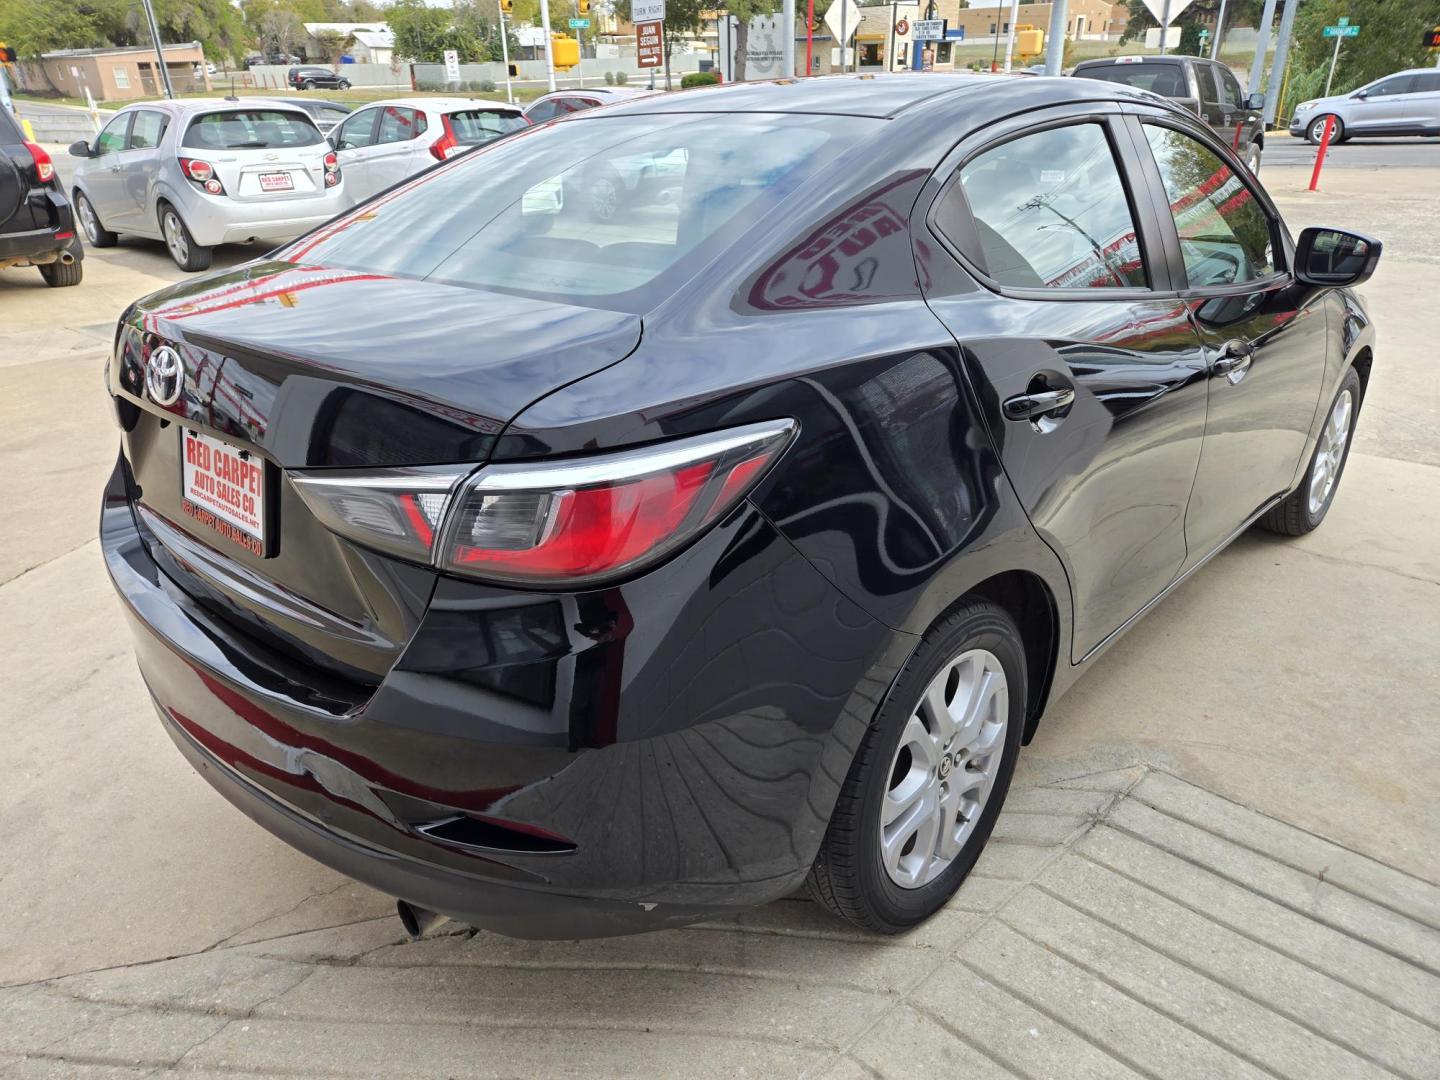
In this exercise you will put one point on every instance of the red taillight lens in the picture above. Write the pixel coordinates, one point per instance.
(332, 162)
(44, 167)
(447, 144)
(197, 170)
(566, 522)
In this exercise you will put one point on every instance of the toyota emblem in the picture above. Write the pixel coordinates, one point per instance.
(165, 377)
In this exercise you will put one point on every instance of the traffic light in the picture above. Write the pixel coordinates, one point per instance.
(7, 54)
(1432, 39)
(507, 7)
(583, 7)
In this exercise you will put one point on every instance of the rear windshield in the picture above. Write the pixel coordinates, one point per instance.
(592, 211)
(251, 129)
(482, 125)
(1165, 79)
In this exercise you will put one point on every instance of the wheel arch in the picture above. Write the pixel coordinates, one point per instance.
(1364, 360)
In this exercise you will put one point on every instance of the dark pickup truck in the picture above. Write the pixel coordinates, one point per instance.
(36, 226)
(1207, 87)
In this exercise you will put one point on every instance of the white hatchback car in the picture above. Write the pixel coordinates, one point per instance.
(200, 173)
(386, 141)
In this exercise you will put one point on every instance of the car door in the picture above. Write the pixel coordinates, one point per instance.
(1208, 91)
(1238, 125)
(1266, 336)
(1382, 108)
(397, 143)
(103, 179)
(1424, 106)
(1086, 366)
(354, 141)
(139, 168)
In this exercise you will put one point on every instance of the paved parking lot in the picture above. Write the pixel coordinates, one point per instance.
(1219, 859)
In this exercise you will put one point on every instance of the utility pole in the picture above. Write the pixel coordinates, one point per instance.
(844, 63)
(505, 58)
(1219, 29)
(159, 49)
(1277, 69)
(995, 52)
(1055, 44)
(1010, 37)
(1262, 43)
(1164, 25)
(549, 49)
(787, 41)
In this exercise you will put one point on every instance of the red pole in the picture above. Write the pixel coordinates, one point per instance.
(809, 37)
(1320, 156)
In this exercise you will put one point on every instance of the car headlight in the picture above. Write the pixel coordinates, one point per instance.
(1306, 106)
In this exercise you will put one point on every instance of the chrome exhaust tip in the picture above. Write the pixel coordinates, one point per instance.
(417, 921)
(66, 259)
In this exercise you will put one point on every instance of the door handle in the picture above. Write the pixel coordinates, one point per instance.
(1032, 406)
(1234, 359)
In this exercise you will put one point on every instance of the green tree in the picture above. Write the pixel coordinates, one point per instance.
(32, 27)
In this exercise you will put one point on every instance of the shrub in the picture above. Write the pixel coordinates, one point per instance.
(698, 78)
(610, 78)
(621, 78)
(427, 86)
(486, 86)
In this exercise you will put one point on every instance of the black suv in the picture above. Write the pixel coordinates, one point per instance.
(308, 78)
(1207, 87)
(36, 226)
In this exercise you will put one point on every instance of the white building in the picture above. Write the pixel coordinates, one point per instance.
(373, 42)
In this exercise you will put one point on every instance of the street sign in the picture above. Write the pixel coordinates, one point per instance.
(929, 30)
(579, 24)
(1157, 9)
(851, 12)
(1342, 31)
(647, 11)
(1344, 20)
(649, 52)
(452, 65)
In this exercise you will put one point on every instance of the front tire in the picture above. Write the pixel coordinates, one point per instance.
(95, 232)
(1305, 508)
(187, 254)
(1252, 158)
(1316, 131)
(930, 776)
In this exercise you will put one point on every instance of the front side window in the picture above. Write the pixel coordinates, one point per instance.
(112, 138)
(1225, 236)
(251, 129)
(1050, 211)
(148, 128)
(356, 132)
(1230, 95)
(1399, 84)
(609, 213)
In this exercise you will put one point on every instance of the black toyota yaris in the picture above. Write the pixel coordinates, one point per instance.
(574, 574)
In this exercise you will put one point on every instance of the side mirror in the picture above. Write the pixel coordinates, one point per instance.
(1255, 101)
(81, 149)
(1335, 258)
(1191, 103)
(1361, 94)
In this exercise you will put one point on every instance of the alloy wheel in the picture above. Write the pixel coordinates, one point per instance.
(604, 199)
(88, 220)
(1331, 452)
(944, 768)
(175, 238)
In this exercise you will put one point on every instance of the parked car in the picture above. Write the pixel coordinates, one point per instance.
(308, 78)
(198, 173)
(564, 102)
(573, 581)
(36, 226)
(1406, 103)
(382, 143)
(325, 113)
(1205, 87)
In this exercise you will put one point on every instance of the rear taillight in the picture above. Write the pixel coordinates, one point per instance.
(44, 167)
(565, 522)
(447, 144)
(332, 169)
(203, 174)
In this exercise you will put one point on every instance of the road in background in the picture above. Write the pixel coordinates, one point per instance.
(1283, 149)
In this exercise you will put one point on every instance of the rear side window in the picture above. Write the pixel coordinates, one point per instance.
(399, 125)
(1050, 211)
(1224, 234)
(251, 129)
(482, 125)
(592, 213)
(1165, 79)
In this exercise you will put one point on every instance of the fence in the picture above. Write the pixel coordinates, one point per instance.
(273, 76)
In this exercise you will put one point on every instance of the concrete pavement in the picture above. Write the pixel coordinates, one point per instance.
(1160, 901)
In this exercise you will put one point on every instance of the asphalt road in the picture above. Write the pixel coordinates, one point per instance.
(1282, 149)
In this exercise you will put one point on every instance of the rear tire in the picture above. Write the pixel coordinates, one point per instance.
(875, 867)
(57, 275)
(344, 84)
(90, 223)
(1305, 508)
(187, 254)
(307, 85)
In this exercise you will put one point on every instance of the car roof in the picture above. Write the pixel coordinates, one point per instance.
(1138, 58)
(190, 106)
(616, 92)
(441, 104)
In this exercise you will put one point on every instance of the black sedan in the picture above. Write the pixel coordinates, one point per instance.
(574, 578)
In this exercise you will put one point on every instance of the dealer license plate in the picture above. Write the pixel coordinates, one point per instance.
(223, 488)
(276, 181)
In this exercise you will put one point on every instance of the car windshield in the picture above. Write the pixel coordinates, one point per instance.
(251, 129)
(1165, 79)
(594, 211)
(482, 125)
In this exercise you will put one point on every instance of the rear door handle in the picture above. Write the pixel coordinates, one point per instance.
(1234, 359)
(1032, 406)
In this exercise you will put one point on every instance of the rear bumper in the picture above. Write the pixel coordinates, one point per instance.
(44, 244)
(220, 220)
(673, 755)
